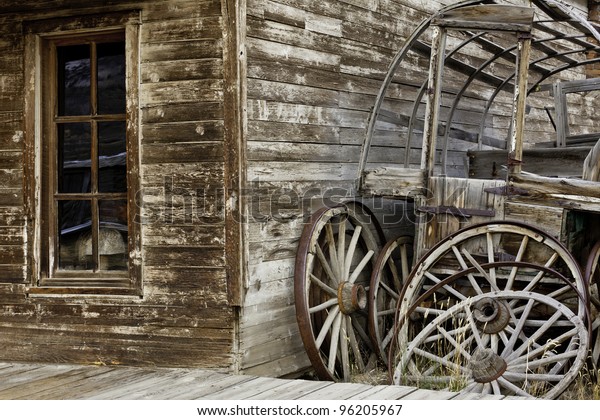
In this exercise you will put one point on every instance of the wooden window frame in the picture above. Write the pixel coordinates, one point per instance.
(41, 116)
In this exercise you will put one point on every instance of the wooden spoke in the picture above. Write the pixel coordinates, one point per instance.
(359, 269)
(487, 276)
(335, 280)
(331, 286)
(344, 341)
(386, 282)
(322, 306)
(326, 326)
(464, 266)
(354, 345)
(518, 328)
(335, 264)
(333, 343)
(490, 250)
(341, 250)
(478, 355)
(322, 285)
(511, 278)
(496, 388)
(351, 250)
(453, 291)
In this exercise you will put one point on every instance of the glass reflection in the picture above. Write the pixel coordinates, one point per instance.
(112, 240)
(112, 157)
(111, 78)
(74, 80)
(74, 157)
(75, 233)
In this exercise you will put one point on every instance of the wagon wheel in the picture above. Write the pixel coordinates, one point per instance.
(501, 241)
(592, 276)
(503, 343)
(434, 297)
(331, 282)
(390, 271)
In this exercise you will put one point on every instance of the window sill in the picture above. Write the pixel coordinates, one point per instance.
(46, 291)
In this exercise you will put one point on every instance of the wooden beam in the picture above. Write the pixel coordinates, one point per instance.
(492, 17)
(547, 187)
(566, 162)
(234, 97)
(515, 148)
(432, 109)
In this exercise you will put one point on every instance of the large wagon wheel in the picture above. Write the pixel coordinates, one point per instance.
(502, 342)
(592, 276)
(390, 272)
(331, 282)
(501, 241)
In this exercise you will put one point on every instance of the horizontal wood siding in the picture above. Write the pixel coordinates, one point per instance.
(314, 70)
(184, 317)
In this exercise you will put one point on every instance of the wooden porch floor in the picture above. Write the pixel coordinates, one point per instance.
(76, 382)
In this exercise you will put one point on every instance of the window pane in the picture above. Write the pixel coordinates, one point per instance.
(111, 78)
(112, 246)
(75, 235)
(74, 80)
(112, 157)
(74, 157)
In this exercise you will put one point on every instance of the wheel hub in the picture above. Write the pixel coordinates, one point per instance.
(486, 366)
(491, 315)
(351, 297)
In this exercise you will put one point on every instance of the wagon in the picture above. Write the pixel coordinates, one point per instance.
(491, 286)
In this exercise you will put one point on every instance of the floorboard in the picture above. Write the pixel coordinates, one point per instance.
(77, 382)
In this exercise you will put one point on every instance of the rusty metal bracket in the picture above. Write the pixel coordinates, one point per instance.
(456, 211)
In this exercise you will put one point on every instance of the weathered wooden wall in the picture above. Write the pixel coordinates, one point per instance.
(314, 70)
(184, 317)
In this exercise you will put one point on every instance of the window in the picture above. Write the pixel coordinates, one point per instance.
(83, 199)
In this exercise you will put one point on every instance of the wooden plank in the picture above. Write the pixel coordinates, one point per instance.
(394, 182)
(385, 392)
(169, 71)
(186, 91)
(156, 153)
(546, 187)
(269, 50)
(228, 381)
(425, 394)
(245, 390)
(87, 386)
(197, 49)
(302, 171)
(291, 390)
(547, 218)
(561, 162)
(176, 30)
(19, 378)
(489, 17)
(171, 113)
(177, 390)
(183, 132)
(337, 391)
(51, 382)
(291, 364)
(475, 397)
(154, 386)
